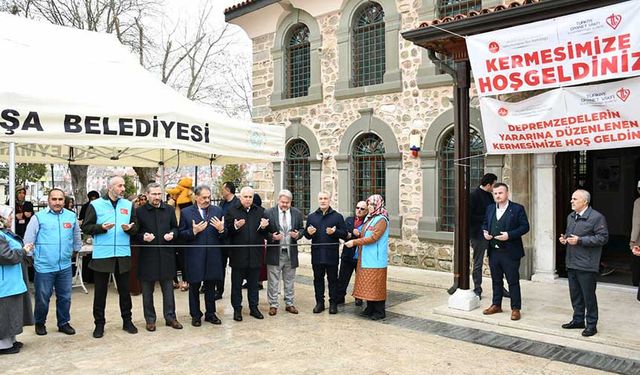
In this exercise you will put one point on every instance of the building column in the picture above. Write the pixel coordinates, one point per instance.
(544, 218)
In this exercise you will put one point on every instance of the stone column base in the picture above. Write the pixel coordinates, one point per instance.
(465, 300)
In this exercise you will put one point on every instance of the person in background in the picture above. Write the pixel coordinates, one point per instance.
(634, 241)
(349, 257)
(371, 275)
(70, 203)
(54, 234)
(182, 196)
(23, 212)
(15, 303)
(92, 195)
(229, 199)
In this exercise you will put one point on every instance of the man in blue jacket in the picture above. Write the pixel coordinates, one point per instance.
(325, 227)
(55, 234)
(110, 221)
(504, 225)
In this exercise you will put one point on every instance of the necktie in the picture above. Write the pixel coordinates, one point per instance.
(204, 214)
(285, 225)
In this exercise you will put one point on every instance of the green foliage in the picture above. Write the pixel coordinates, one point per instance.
(24, 172)
(232, 172)
(129, 187)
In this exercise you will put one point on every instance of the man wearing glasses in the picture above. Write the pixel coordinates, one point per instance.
(349, 257)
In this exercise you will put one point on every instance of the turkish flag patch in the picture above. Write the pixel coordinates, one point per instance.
(67, 225)
(124, 211)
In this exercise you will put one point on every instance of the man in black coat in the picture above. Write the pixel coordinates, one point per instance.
(325, 228)
(479, 199)
(202, 229)
(247, 230)
(229, 199)
(157, 225)
(349, 257)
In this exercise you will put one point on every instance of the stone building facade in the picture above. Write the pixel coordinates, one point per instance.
(413, 102)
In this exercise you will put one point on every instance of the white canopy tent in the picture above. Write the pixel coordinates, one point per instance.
(80, 97)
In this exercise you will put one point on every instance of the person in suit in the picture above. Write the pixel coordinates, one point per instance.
(157, 225)
(110, 221)
(584, 237)
(504, 225)
(247, 230)
(229, 199)
(325, 228)
(285, 228)
(349, 256)
(202, 230)
(634, 241)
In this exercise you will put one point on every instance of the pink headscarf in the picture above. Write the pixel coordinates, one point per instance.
(379, 203)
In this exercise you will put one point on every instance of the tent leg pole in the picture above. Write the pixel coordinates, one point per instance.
(162, 182)
(12, 180)
(282, 172)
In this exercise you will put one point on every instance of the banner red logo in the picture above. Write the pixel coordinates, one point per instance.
(503, 111)
(623, 94)
(67, 225)
(124, 211)
(614, 20)
(494, 47)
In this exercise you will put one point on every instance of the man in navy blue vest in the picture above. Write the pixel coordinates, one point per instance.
(504, 225)
(109, 220)
(55, 234)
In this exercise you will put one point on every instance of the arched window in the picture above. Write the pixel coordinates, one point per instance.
(368, 45)
(447, 175)
(369, 167)
(299, 174)
(298, 62)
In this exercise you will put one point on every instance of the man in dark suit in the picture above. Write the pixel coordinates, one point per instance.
(349, 257)
(229, 199)
(157, 225)
(479, 199)
(202, 225)
(247, 231)
(325, 228)
(285, 228)
(504, 225)
(586, 233)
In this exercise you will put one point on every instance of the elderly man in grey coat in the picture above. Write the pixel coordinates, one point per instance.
(285, 228)
(585, 235)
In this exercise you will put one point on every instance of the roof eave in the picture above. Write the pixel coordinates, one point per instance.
(252, 7)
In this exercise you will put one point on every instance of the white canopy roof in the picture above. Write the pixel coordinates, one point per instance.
(80, 97)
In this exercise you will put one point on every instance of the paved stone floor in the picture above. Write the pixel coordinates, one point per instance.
(307, 343)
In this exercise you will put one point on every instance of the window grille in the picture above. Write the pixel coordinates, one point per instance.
(368, 46)
(298, 63)
(447, 175)
(299, 175)
(448, 8)
(369, 167)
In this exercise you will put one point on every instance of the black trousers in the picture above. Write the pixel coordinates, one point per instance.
(219, 285)
(209, 299)
(319, 271)
(101, 280)
(237, 276)
(503, 265)
(347, 266)
(635, 270)
(479, 246)
(582, 290)
(168, 300)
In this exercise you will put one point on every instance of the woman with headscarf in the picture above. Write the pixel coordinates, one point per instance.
(373, 250)
(15, 303)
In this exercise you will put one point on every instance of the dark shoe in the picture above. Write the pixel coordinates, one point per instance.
(589, 331)
(573, 325)
(98, 332)
(67, 329)
(515, 314)
(493, 309)
(256, 313)
(479, 294)
(273, 311)
(505, 293)
(41, 329)
(319, 308)
(12, 350)
(358, 302)
(333, 308)
(151, 327)
(196, 322)
(368, 311)
(18, 344)
(174, 324)
(244, 286)
(237, 315)
(291, 309)
(129, 327)
(213, 320)
(378, 316)
(260, 286)
(218, 296)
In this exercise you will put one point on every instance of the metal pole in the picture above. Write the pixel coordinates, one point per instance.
(196, 176)
(12, 180)
(462, 168)
(53, 178)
